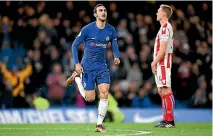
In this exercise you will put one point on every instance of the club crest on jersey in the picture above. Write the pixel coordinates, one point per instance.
(107, 38)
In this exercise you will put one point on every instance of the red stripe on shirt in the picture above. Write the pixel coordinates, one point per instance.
(164, 29)
(163, 75)
(169, 60)
(158, 45)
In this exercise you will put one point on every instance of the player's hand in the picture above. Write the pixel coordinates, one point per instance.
(117, 61)
(154, 68)
(78, 68)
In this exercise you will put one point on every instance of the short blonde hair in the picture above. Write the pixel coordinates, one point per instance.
(167, 9)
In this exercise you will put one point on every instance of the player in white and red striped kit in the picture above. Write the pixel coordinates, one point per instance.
(161, 65)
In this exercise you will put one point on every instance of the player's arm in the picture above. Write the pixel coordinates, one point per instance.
(115, 49)
(78, 40)
(164, 37)
(161, 52)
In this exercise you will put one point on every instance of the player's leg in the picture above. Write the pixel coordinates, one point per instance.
(163, 81)
(71, 79)
(160, 79)
(103, 105)
(163, 106)
(168, 96)
(169, 103)
(85, 83)
(103, 82)
(89, 86)
(161, 123)
(78, 79)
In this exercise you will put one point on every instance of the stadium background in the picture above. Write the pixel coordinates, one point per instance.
(36, 38)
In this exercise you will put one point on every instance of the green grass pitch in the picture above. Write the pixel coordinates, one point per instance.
(123, 129)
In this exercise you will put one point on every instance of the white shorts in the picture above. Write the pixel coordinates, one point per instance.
(163, 77)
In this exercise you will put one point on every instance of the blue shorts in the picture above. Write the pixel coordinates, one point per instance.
(95, 77)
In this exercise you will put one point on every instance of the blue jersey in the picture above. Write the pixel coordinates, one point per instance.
(96, 41)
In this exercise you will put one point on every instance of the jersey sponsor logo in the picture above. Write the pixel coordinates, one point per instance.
(164, 37)
(101, 45)
(98, 44)
(107, 38)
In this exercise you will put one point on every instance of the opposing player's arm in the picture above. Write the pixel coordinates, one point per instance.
(164, 37)
(78, 40)
(114, 42)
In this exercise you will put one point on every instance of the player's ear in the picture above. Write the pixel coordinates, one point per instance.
(95, 14)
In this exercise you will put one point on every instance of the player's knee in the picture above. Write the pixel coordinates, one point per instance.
(104, 94)
(165, 90)
(90, 95)
(160, 91)
(90, 99)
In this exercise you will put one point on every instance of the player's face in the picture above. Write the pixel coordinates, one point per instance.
(160, 14)
(101, 13)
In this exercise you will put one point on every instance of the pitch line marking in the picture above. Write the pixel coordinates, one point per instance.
(131, 132)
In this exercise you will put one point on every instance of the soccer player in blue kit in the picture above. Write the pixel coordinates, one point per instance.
(93, 68)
